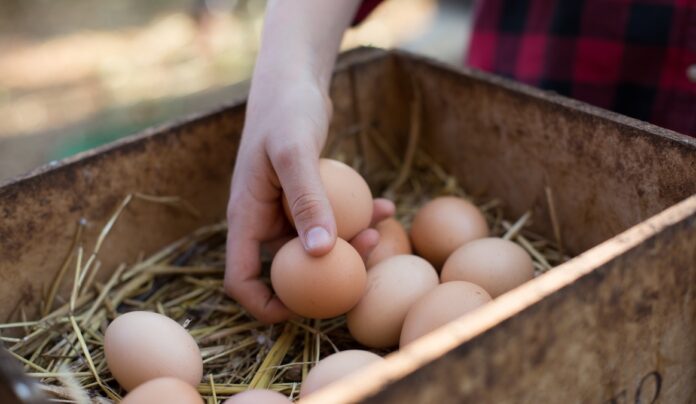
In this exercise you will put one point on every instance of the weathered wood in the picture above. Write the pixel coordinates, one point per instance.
(616, 322)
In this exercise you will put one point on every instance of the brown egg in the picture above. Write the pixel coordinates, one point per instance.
(393, 286)
(318, 287)
(443, 225)
(335, 367)
(443, 304)
(393, 240)
(163, 390)
(349, 195)
(258, 397)
(495, 264)
(141, 346)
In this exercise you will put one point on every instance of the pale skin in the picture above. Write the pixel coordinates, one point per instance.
(287, 119)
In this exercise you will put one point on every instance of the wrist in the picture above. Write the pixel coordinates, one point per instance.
(279, 74)
(301, 39)
(272, 84)
(285, 101)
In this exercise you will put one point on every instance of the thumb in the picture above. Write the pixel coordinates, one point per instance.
(298, 172)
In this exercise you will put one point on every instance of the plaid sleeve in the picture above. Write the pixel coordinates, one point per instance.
(630, 56)
(364, 10)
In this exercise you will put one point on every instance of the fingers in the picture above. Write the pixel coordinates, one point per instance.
(365, 242)
(242, 272)
(383, 208)
(298, 172)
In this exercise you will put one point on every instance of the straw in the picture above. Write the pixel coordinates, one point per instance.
(263, 376)
(212, 399)
(74, 390)
(63, 269)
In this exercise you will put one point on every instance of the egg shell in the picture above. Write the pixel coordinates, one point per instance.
(441, 305)
(163, 390)
(444, 224)
(335, 367)
(393, 240)
(258, 397)
(140, 346)
(495, 264)
(393, 286)
(318, 287)
(349, 195)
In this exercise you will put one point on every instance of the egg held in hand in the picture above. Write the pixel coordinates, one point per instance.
(495, 264)
(393, 240)
(163, 390)
(318, 287)
(140, 346)
(335, 367)
(349, 195)
(443, 304)
(393, 286)
(444, 224)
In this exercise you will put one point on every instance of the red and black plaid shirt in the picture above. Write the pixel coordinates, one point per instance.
(635, 57)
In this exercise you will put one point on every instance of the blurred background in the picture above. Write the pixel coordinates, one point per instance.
(75, 74)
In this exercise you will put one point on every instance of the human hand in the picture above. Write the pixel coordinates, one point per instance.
(287, 119)
(285, 130)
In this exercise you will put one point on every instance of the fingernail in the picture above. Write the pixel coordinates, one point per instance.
(317, 237)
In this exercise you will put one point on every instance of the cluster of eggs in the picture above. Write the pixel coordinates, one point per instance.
(391, 300)
(397, 296)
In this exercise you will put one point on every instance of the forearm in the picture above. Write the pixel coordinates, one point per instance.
(301, 39)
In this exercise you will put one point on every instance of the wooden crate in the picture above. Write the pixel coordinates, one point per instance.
(616, 324)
